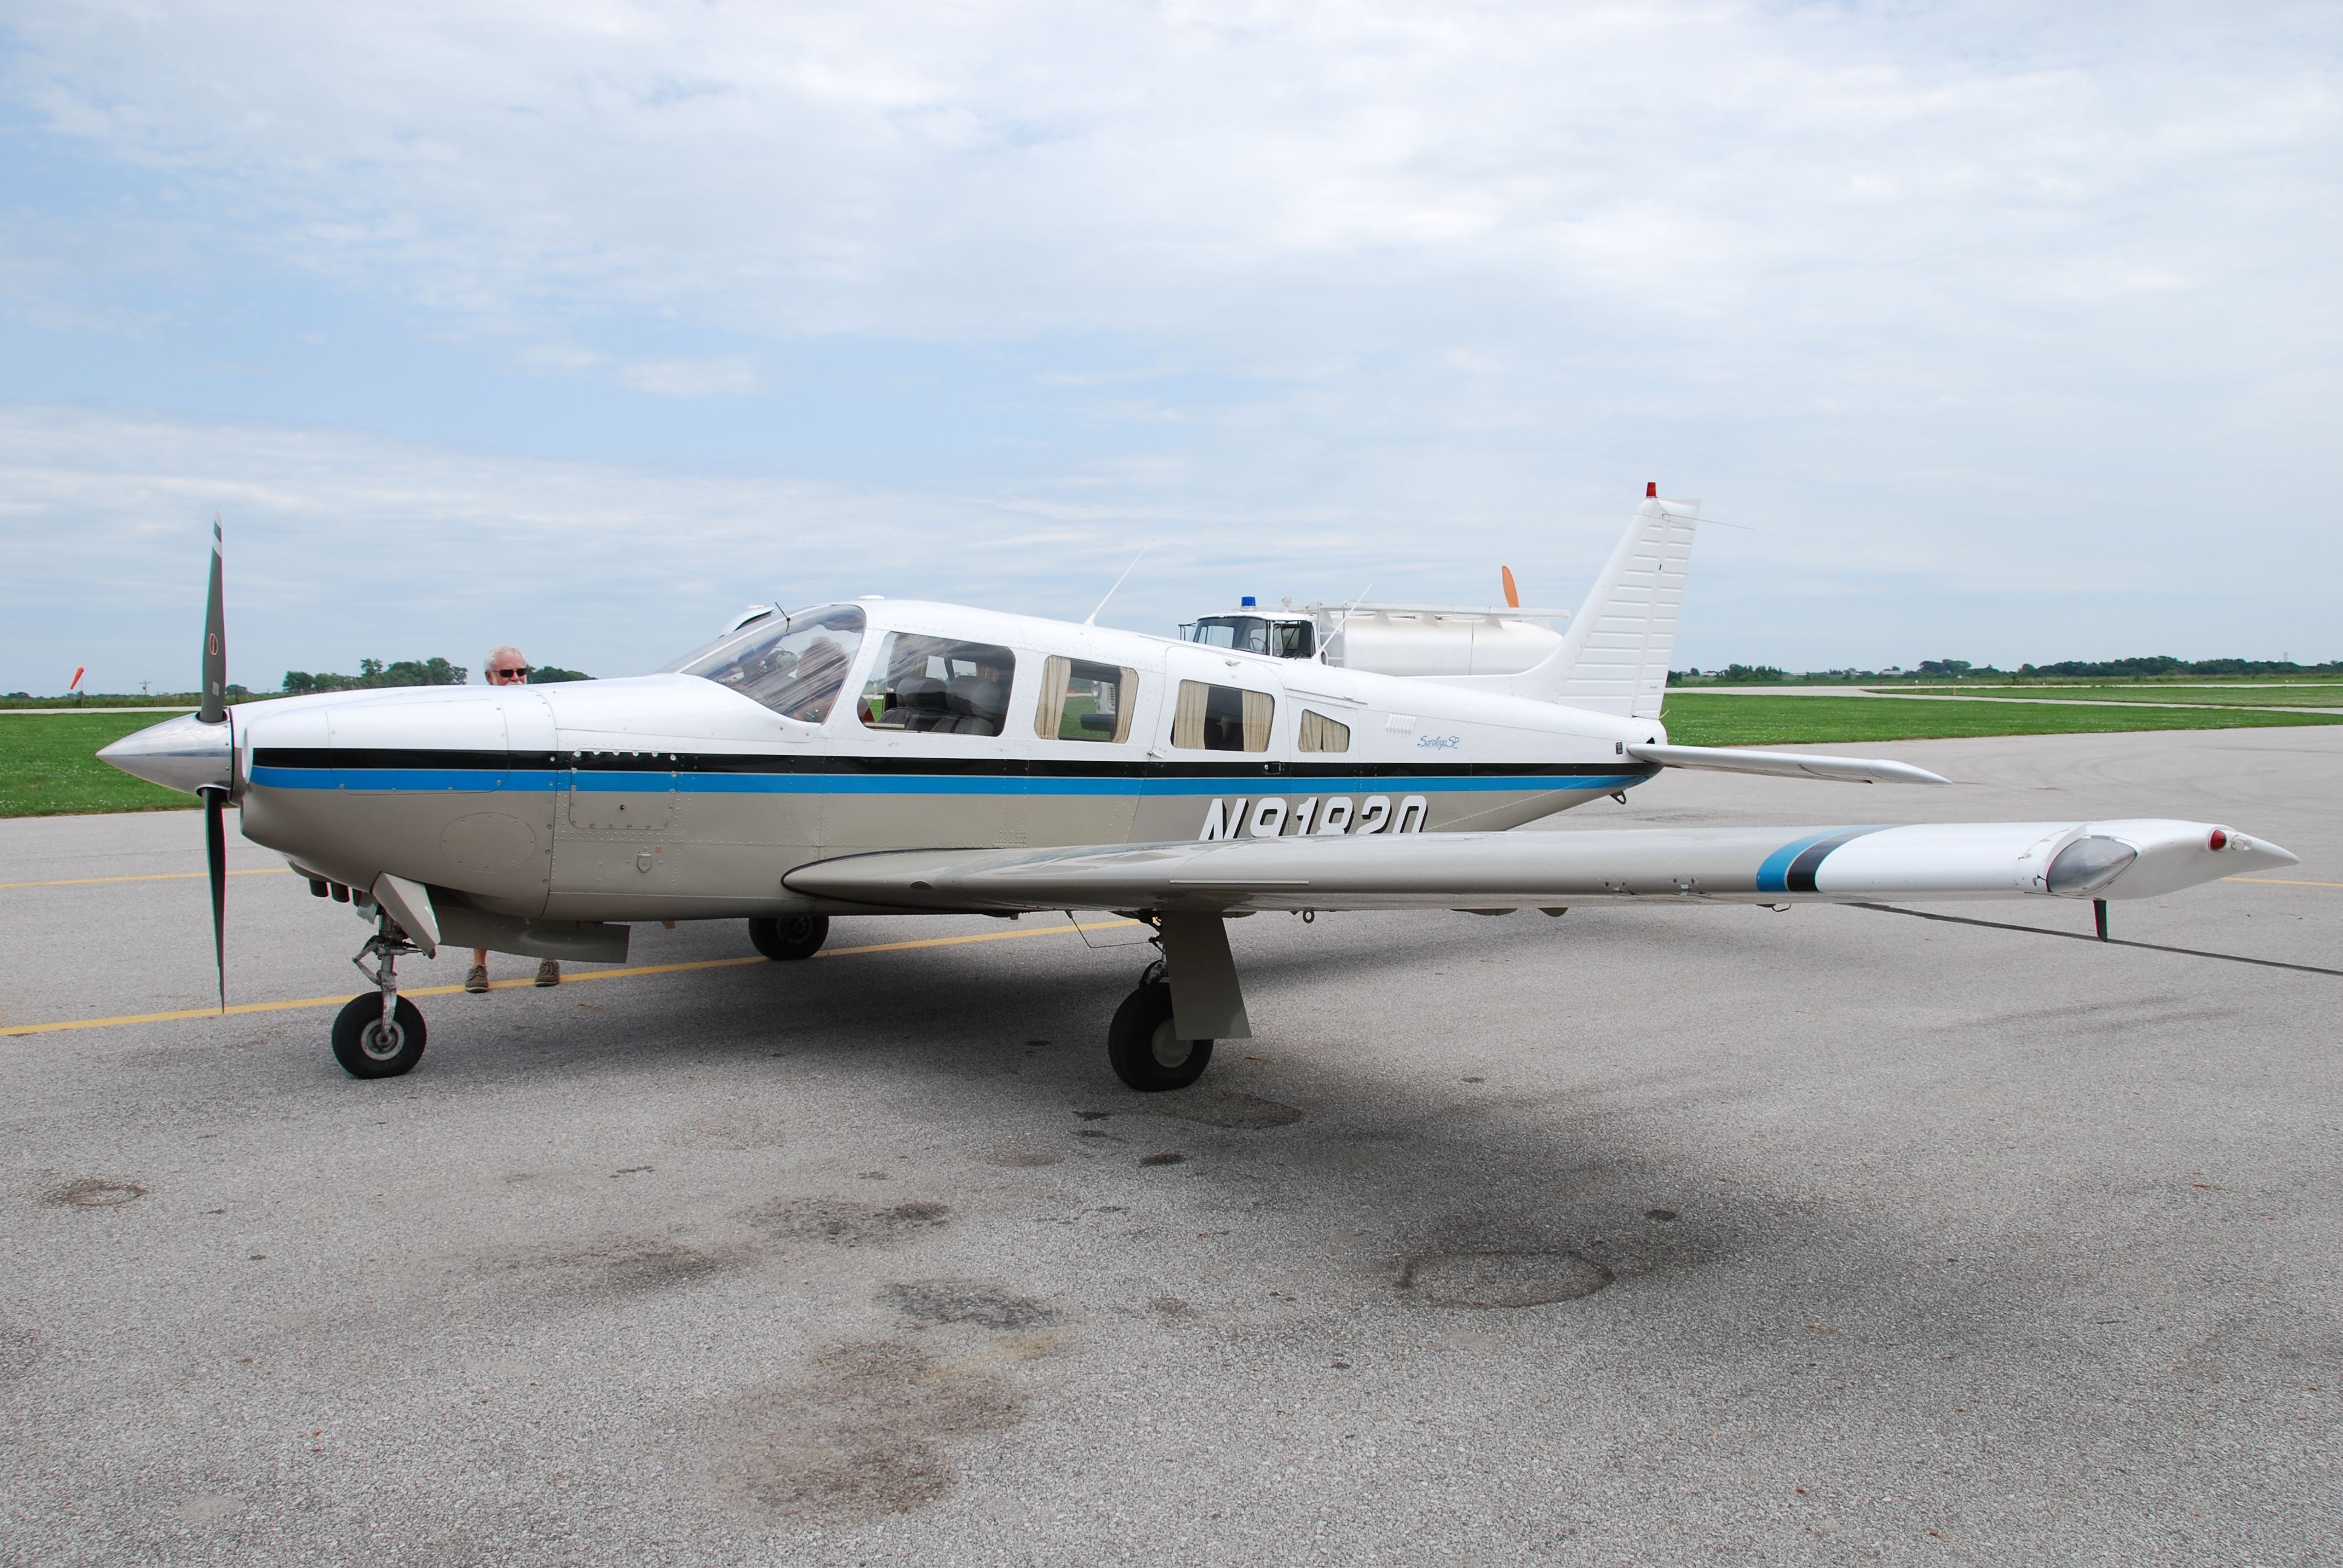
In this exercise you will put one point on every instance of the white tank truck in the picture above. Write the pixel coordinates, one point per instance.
(1420, 640)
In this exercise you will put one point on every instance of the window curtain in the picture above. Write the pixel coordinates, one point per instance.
(1051, 717)
(1187, 718)
(1320, 733)
(1258, 705)
(1126, 702)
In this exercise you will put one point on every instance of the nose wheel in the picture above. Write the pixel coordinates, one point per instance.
(1142, 1047)
(379, 1033)
(368, 1045)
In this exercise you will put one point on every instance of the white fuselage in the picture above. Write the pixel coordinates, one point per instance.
(679, 795)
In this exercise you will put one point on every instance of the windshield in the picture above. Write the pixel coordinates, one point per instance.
(795, 665)
(1256, 634)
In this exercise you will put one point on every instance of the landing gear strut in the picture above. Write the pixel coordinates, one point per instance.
(1142, 1045)
(380, 1035)
(784, 938)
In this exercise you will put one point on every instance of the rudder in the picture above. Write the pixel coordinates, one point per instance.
(1614, 656)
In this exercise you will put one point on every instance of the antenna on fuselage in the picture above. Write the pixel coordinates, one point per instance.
(1091, 618)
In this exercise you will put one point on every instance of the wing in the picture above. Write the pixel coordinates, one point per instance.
(2118, 860)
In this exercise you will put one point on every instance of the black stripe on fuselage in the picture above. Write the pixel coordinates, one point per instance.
(971, 767)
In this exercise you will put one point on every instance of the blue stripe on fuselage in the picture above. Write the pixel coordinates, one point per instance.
(442, 780)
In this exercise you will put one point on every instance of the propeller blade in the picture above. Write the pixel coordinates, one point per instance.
(216, 860)
(214, 702)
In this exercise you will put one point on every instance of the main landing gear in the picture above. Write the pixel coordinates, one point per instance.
(787, 938)
(380, 1034)
(1162, 1034)
(1143, 1047)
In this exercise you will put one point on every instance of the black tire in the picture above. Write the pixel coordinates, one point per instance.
(365, 1050)
(787, 937)
(1143, 1049)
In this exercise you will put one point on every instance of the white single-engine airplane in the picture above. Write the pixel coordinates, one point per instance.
(897, 757)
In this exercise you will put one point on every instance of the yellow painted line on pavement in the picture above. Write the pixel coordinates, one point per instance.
(576, 979)
(152, 877)
(2282, 882)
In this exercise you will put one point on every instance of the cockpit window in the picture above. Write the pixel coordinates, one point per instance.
(938, 685)
(795, 665)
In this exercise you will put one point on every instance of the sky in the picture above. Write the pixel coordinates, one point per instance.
(1991, 332)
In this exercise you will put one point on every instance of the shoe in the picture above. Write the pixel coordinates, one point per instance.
(549, 972)
(477, 980)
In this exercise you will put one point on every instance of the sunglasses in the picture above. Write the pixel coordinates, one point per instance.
(515, 669)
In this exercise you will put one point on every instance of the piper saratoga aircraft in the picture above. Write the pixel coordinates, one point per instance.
(898, 757)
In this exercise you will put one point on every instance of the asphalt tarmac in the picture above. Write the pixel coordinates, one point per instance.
(1647, 1234)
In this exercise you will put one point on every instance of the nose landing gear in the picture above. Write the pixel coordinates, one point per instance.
(381, 1034)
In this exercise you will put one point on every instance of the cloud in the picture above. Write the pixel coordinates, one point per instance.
(730, 376)
(1990, 318)
(1717, 172)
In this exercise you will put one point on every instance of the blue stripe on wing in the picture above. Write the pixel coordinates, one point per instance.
(1791, 869)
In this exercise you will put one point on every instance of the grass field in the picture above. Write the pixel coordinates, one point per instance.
(2320, 694)
(1703, 719)
(49, 767)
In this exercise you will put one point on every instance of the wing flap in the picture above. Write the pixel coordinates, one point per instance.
(1533, 870)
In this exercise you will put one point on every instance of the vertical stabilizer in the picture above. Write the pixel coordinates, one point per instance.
(1614, 656)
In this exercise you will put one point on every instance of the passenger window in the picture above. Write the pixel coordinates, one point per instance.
(1221, 719)
(1085, 701)
(796, 666)
(939, 685)
(1320, 733)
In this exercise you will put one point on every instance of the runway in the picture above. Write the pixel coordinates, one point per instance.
(1650, 1233)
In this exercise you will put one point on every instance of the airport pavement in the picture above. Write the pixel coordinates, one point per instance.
(1646, 1235)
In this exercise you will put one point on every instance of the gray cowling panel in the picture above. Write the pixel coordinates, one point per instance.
(587, 941)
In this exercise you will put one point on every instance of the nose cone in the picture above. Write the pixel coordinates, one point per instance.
(2260, 854)
(182, 753)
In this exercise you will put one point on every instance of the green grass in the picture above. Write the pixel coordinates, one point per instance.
(49, 767)
(2324, 695)
(1703, 719)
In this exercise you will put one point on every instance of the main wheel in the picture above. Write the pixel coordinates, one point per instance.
(1141, 1046)
(368, 1047)
(790, 937)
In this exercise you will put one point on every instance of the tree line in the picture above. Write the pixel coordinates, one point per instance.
(374, 673)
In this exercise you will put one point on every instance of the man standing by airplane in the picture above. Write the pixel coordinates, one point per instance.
(508, 667)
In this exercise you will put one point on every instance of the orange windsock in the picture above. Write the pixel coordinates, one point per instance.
(78, 668)
(1512, 594)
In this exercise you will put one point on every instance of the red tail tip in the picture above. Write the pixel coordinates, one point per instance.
(1651, 488)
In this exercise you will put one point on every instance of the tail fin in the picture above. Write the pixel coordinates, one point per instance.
(1614, 656)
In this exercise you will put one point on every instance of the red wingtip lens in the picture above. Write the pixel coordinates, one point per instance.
(2219, 840)
(1651, 488)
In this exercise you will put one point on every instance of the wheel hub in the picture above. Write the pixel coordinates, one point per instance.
(1169, 1051)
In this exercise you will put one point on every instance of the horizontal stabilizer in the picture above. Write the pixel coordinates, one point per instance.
(1786, 764)
(2122, 859)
